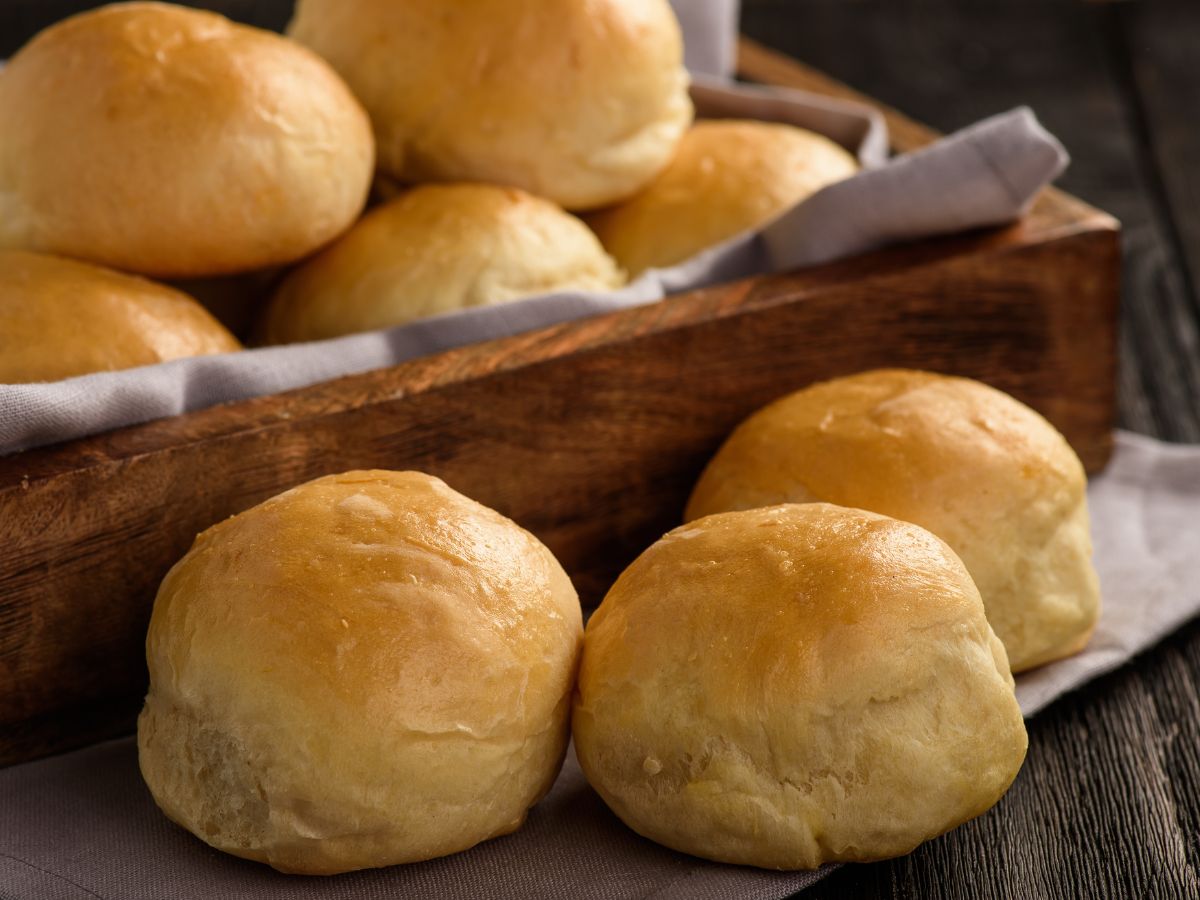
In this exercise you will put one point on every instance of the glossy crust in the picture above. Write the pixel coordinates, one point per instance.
(796, 685)
(172, 142)
(982, 471)
(728, 177)
(60, 318)
(365, 670)
(582, 103)
(437, 249)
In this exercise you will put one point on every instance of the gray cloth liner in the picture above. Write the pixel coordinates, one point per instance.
(83, 825)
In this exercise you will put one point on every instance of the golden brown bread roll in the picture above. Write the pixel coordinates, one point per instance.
(796, 685)
(980, 470)
(582, 102)
(365, 670)
(437, 249)
(172, 142)
(60, 318)
(728, 177)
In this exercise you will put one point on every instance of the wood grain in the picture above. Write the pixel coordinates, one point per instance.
(1154, 48)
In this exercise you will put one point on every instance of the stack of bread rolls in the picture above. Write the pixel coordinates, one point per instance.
(985, 473)
(163, 142)
(170, 143)
(785, 682)
(586, 108)
(373, 669)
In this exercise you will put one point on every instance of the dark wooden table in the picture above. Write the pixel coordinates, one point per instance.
(1108, 803)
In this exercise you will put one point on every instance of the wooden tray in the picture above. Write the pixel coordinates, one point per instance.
(590, 433)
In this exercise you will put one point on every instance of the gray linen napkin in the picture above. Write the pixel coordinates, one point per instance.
(984, 175)
(83, 825)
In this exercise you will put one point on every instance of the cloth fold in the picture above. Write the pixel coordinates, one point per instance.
(83, 825)
(987, 174)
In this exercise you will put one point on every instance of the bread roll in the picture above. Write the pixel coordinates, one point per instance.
(60, 318)
(172, 142)
(983, 472)
(367, 669)
(437, 249)
(796, 685)
(581, 102)
(728, 177)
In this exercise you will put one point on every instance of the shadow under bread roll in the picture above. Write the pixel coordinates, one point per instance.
(60, 318)
(581, 102)
(727, 177)
(236, 301)
(979, 469)
(796, 685)
(437, 249)
(174, 143)
(364, 670)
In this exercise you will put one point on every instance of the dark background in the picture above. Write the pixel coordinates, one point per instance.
(1108, 803)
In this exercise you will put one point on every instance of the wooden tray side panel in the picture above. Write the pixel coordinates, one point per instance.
(593, 451)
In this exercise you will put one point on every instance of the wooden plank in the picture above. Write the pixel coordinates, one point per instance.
(1155, 49)
(1159, 43)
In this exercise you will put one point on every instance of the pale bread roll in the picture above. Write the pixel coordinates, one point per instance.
(172, 142)
(980, 470)
(60, 318)
(581, 101)
(365, 670)
(728, 177)
(796, 685)
(438, 249)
